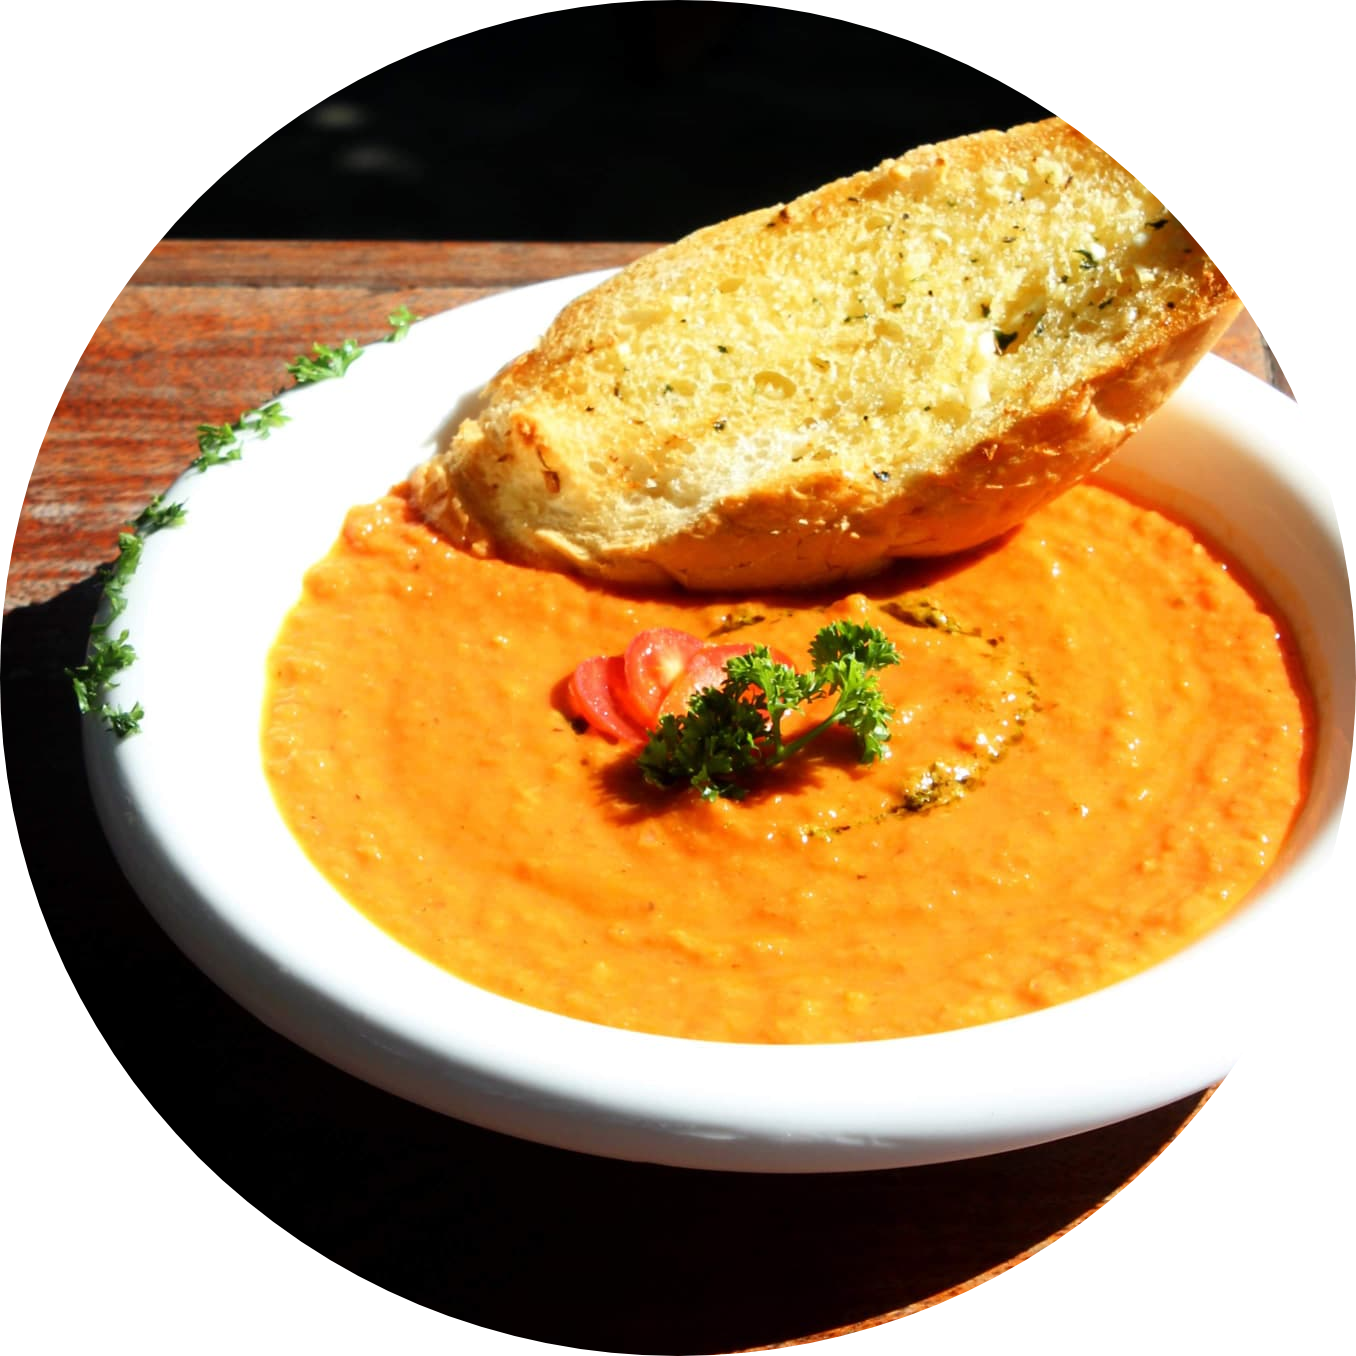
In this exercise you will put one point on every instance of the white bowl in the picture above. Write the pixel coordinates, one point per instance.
(188, 812)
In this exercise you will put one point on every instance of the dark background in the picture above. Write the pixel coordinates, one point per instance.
(628, 122)
(633, 121)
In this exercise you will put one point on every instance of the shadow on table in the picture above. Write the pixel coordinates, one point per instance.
(194, 1164)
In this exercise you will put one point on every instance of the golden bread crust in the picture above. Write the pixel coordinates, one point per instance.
(710, 416)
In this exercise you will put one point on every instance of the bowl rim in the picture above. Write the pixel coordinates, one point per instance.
(335, 984)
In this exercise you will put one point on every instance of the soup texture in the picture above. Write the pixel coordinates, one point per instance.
(1100, 739)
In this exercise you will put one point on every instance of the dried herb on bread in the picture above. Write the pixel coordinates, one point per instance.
(904, 362)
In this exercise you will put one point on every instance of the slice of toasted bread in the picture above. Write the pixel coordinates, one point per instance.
(904, 362)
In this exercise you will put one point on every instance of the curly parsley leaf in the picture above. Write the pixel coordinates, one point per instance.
(217, 443)
(324, 363)
(123, 721)
(107, 658)
(709, 748)
(732, 732)
(116, 575)
(779, 687)
(841, 641)
(847, 656)
(262, 421)
(158, 514)
(400, 321)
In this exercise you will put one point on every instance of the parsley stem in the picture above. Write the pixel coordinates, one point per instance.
(785, 751)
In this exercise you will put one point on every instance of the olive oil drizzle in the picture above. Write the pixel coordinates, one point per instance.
(945, 781)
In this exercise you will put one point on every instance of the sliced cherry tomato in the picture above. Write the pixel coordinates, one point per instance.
(705, 669)
(655, 660)
(593, 690)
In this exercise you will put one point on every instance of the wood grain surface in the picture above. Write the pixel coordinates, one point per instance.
(538, 1242)
(203, 330)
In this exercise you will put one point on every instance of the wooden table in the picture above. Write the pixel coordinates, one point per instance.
(538, 1242)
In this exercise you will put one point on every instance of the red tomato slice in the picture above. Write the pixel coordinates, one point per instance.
(593, 689)
(655, 660)
(705, 669)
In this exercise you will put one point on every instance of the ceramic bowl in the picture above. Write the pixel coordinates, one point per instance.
(191, 820)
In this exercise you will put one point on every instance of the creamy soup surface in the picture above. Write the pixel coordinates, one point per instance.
(1101, 737)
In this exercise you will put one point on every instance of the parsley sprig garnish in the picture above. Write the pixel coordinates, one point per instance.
(217, 443)
(324, 363)
(158, 514)
(108, 656)
(223, 442)
(731, 732)
(93, 679)
(400, 321)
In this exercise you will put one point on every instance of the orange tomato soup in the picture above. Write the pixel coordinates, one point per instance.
(1100, 740)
